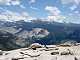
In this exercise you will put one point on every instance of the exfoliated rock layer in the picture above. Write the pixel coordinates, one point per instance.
(52, 52)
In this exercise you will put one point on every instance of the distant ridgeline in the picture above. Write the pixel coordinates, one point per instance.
(19, 34)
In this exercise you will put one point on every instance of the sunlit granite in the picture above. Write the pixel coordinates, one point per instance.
(52, 52)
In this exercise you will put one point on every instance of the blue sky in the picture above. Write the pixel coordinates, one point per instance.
(43, 8)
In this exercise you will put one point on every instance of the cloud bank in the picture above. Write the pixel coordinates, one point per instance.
(10, 2)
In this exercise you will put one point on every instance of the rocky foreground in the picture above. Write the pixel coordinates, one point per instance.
(40, 52)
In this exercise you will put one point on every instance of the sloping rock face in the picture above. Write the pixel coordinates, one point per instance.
(5, 39)
(42, 53)
(36, 33)
(35, 45)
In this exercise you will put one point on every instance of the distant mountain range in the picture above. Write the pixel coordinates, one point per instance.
(19, 34)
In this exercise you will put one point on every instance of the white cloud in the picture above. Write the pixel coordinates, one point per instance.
(73, 7)
(16, 2)
(66, 1)
(10, 2)
(59, 18)
(14, 16)
(32, 1)
(25, 14)
(22, 6)
(77, 12)
(53, 10)
(54, 14)
(73, 18)
(34, 8)
(77, 2)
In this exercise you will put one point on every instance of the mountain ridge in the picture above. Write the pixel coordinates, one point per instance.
(58, 32)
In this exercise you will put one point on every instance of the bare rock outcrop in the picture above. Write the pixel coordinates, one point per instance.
(35, 45)
(66, 52)
(62, 53)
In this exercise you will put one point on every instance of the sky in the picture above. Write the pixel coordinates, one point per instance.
(52, 10)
